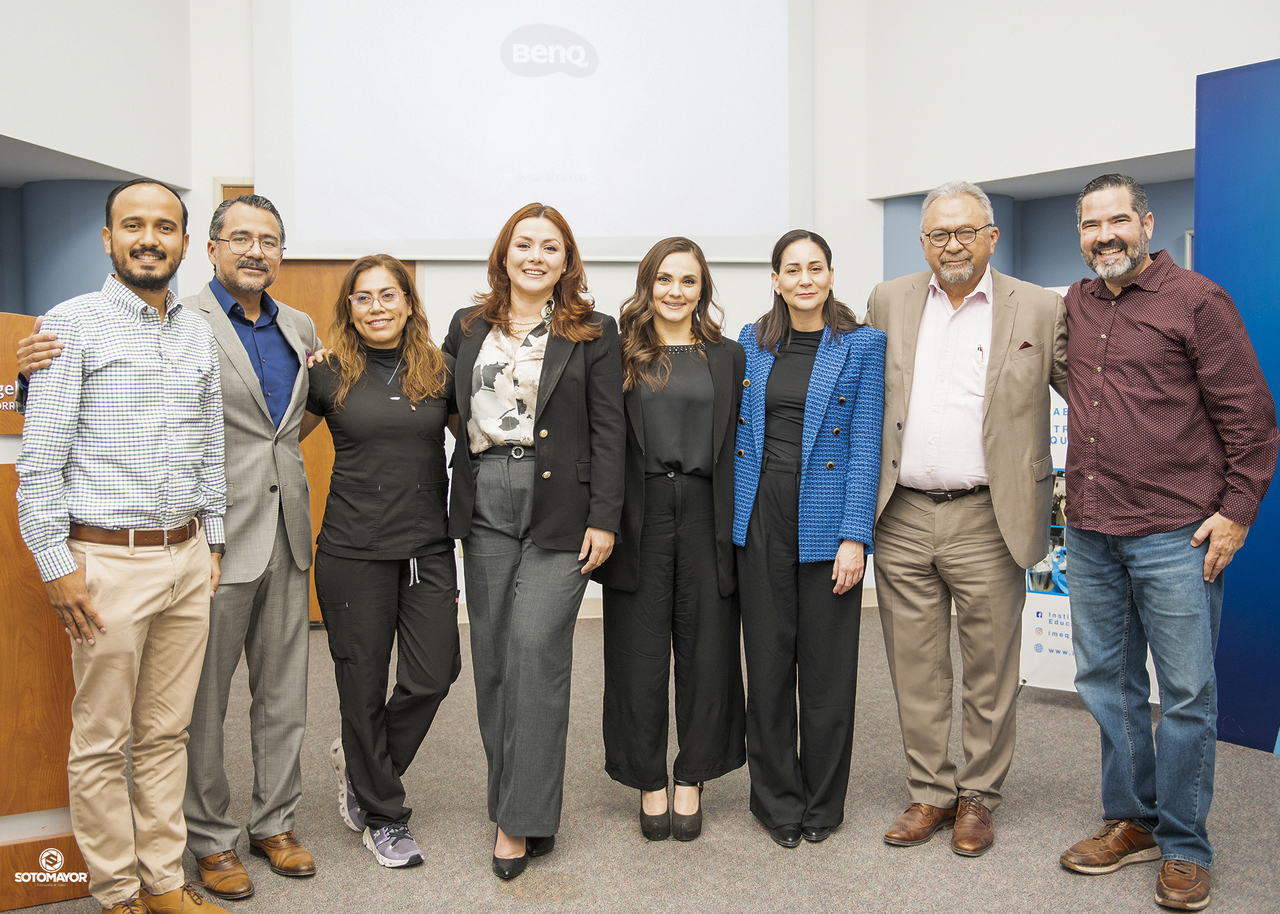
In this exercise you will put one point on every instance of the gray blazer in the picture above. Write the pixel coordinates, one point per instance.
(264, 464)
(1028, 356)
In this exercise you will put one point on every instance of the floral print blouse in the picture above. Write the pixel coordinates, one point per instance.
(504, 385)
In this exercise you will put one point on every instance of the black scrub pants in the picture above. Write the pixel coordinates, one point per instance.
(367, 604)
(795, 631)
(676, 608)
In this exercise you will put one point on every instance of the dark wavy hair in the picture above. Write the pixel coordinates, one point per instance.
(774, 328)
(643, 358)
(574, 309)
(425, 369)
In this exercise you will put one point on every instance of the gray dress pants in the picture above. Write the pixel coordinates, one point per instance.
(522, 602)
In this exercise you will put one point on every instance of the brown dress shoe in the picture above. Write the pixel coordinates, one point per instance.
(1182, 885)
(134, 906)
(974, 832)
(1116, 844)
(185, 900)
(223, 875)
(918, 823)
(285, 855)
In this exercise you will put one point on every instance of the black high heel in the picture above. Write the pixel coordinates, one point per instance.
(506, 868)
(686, 828)
(656, 827)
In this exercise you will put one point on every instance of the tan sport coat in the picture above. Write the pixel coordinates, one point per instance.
(264, 463)
(1028, 356)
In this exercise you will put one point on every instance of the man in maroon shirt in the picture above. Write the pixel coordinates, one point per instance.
(1173, 444)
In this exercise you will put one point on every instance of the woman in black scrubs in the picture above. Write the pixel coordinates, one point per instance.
(536, 501)
(805, 480)
(384, 566)
(669, 585)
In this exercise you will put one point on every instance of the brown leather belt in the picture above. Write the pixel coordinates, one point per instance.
(941, 495)
(105, 537)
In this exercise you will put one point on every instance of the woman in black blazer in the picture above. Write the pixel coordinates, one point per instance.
(670, 583)
(384, 566)
(536, 501)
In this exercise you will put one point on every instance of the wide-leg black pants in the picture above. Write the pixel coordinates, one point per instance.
(367, 604)
(678, 609)
(795, 631)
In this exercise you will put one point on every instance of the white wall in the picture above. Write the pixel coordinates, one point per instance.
(106, 82)
(997, 89)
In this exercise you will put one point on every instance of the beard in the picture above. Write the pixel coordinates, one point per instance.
(233, 283)
(956, 271)
(1134, 254)
(147, 280)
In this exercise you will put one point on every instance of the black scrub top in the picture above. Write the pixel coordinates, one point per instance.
(388, 496)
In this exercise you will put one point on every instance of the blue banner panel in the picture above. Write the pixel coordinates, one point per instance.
(1237, 230)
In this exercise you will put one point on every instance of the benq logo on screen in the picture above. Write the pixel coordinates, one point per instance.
(538, 50)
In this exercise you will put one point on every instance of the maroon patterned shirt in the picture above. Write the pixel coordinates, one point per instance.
(1170, 416)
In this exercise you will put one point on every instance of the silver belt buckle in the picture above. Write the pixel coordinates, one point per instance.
(517, 452)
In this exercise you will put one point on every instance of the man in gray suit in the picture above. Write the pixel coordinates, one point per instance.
(966, 484)
(261, 607)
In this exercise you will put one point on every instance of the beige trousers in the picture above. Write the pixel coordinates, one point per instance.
(926, 555)
(138, 680)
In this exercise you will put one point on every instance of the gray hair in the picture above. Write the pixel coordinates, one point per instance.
(254, 200)
(958, 189)
(1137, 195)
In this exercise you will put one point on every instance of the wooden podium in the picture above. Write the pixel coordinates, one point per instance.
(39, 860)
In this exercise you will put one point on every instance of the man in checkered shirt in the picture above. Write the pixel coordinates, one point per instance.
(120, 500)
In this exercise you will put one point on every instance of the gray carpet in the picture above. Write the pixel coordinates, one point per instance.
(602, 863)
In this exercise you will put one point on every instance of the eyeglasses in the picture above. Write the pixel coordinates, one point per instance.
(243, 244)
(363, 300)
(966, 235)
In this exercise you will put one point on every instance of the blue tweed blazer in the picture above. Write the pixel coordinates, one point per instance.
(840, 454)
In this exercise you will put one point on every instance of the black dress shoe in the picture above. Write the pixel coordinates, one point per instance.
(510, 867)
(656, 827)
(540, 847)
(786, 835)
(686, 828)
(815, 833)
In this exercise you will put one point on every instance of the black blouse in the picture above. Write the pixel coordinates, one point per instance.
(388, 496)
(678, 418)
(786, 392)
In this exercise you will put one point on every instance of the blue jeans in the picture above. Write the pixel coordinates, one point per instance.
(1128, 592)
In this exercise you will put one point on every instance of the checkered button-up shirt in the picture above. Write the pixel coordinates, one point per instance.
(124, 429)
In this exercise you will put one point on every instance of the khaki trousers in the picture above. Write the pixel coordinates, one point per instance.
(138, 680)
(926, 555)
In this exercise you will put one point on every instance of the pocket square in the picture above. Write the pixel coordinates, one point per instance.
(1025, 345)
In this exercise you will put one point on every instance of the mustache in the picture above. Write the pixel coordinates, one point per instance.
(1109, 247)
(252, 262)
(149, 249)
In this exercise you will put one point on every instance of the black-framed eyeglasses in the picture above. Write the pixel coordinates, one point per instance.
(243, 244)
(965, 235)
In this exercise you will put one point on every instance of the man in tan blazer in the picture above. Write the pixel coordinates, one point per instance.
(966, 483)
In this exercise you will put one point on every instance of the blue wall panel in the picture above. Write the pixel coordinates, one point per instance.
(62, 240)
(1237, 198)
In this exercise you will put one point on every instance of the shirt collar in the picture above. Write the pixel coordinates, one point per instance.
(984, 288)
(125, 298)
(230, 305)
(1149, 280)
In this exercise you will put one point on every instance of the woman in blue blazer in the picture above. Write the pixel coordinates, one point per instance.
(807, 464)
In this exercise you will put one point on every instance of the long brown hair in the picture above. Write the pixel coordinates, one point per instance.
(643, 358)
(574, 309)
(425, 371)
(775, 327)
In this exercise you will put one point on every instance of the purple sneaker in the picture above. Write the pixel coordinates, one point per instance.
(348, 806)
(392, 845)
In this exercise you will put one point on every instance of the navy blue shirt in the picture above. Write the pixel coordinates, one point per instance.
(274, 361)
